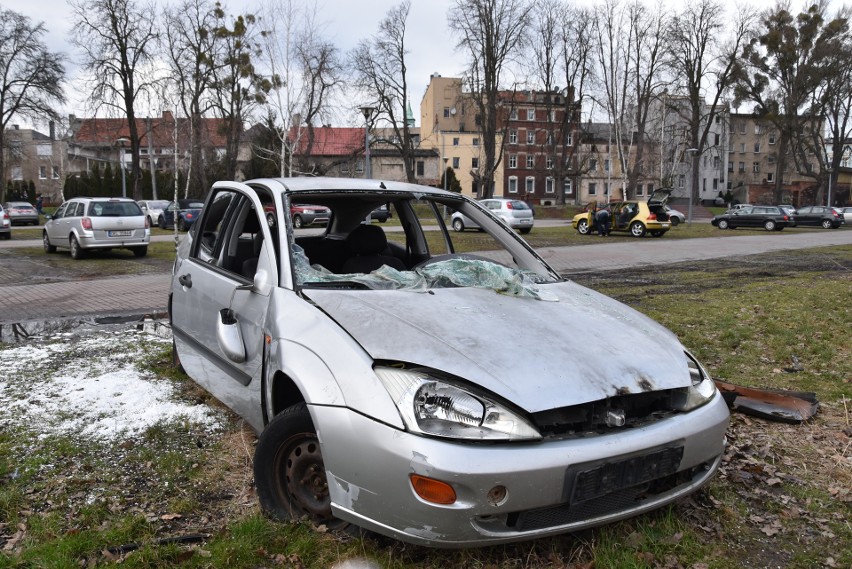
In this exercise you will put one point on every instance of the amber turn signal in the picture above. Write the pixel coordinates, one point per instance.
(432, 490)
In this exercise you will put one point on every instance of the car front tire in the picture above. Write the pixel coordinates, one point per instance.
(297, 222)
(289, 471)
(583, 227)
(723, 224)
(48, 248)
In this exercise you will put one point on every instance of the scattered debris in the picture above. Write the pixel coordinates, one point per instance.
(772, 404)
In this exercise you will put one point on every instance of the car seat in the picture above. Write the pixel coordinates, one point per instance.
(369, 245)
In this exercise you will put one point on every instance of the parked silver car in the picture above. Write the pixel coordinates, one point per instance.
(81, 224)
(514, 213)
(22, 213)
(153, 209)
(5, 224)
(442, 398)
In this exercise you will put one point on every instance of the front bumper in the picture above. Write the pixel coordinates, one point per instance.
(368, 466)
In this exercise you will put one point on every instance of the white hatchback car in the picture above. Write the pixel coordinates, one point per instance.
(514, 213)
(391, 389)
(153, 209)
(83, 224)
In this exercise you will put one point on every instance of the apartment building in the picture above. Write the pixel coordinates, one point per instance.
(37, 161)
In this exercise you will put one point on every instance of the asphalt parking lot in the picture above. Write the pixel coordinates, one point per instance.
(146, 294)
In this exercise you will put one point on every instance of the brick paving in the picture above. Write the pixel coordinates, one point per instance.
(139, 295)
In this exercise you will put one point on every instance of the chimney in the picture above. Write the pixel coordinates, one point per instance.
(52, 127)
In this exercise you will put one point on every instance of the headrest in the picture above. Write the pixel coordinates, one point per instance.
(367, 240)
(251, 224)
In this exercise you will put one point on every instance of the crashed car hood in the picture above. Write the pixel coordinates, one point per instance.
(539, 355)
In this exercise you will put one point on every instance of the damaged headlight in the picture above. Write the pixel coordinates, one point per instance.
(433, 406)
(700, 392)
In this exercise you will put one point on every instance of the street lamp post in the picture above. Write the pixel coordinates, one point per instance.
(367, 111)
(120, 142)
(692, 169)
(829, 187)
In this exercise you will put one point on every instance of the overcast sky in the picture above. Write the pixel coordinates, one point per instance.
(346, 22)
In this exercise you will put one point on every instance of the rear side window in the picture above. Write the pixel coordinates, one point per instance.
(518, 204)
(114, 209)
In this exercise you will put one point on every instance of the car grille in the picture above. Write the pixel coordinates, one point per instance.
(596, 417)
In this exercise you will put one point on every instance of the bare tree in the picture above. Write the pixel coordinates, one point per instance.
(492, 34)
(237, 86)
(193, 52)
(788, 58)
(381, 72)
(702, 68)
(310, 73)
(31, 77)
(118, 39)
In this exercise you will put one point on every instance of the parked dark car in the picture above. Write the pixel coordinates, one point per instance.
(188, 211)
(381, 214)
(769, 217)
(818, 216)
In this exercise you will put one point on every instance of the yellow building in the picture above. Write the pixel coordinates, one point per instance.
(448, 125)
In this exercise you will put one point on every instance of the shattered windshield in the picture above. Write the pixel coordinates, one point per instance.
(421, 246)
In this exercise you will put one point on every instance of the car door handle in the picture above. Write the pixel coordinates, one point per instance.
(185, 280)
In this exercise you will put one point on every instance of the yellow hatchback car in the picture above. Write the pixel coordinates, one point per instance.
(636, 217)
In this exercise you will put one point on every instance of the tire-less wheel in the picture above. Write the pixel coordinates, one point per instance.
(48, 248)
(769, 225)
(583, 227)
(637, 229)
(723, 224)
(458, 225)
(289, 471)
(76, 251)
(826, 224)
(297, 222)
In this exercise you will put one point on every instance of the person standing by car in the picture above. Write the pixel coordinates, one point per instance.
(602, 218)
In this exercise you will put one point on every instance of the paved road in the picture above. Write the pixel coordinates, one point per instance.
(147, 294)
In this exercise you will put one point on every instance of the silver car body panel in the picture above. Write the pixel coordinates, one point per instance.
(453, 330)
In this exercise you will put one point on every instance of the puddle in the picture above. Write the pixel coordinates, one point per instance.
(38, 330)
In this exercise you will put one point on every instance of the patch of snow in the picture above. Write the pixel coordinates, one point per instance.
(91, 387)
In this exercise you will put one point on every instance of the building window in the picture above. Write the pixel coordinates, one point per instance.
(568, 187)
(421, 167)
(593, 165)
(56, 172)
(606, 165)
(569, 139)
(681, 181)
(44, 150)
(715, 183)
(455, 141)
(476, 142)
(742, 167)
(530, 162)
(42, 172)
(742, 127)
(548, 185)
(446, 112)
(513, 114)
(474, 162)
(730, 166)
(359, 167)
(513, 161)
(513, 184)
(606, 188)
(456, 162)
(716, 138)
(742, 148)
(530, 136)
(757, 148)
(770, 176)
(593, 188)
(755, 167)
(530, 187)
(731, 147)
(549, 163)
(530, 114)
(16, 173)
(513, 137)
(716, 162)
(772, 138)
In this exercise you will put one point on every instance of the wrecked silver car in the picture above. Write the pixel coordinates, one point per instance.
(434, 394)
